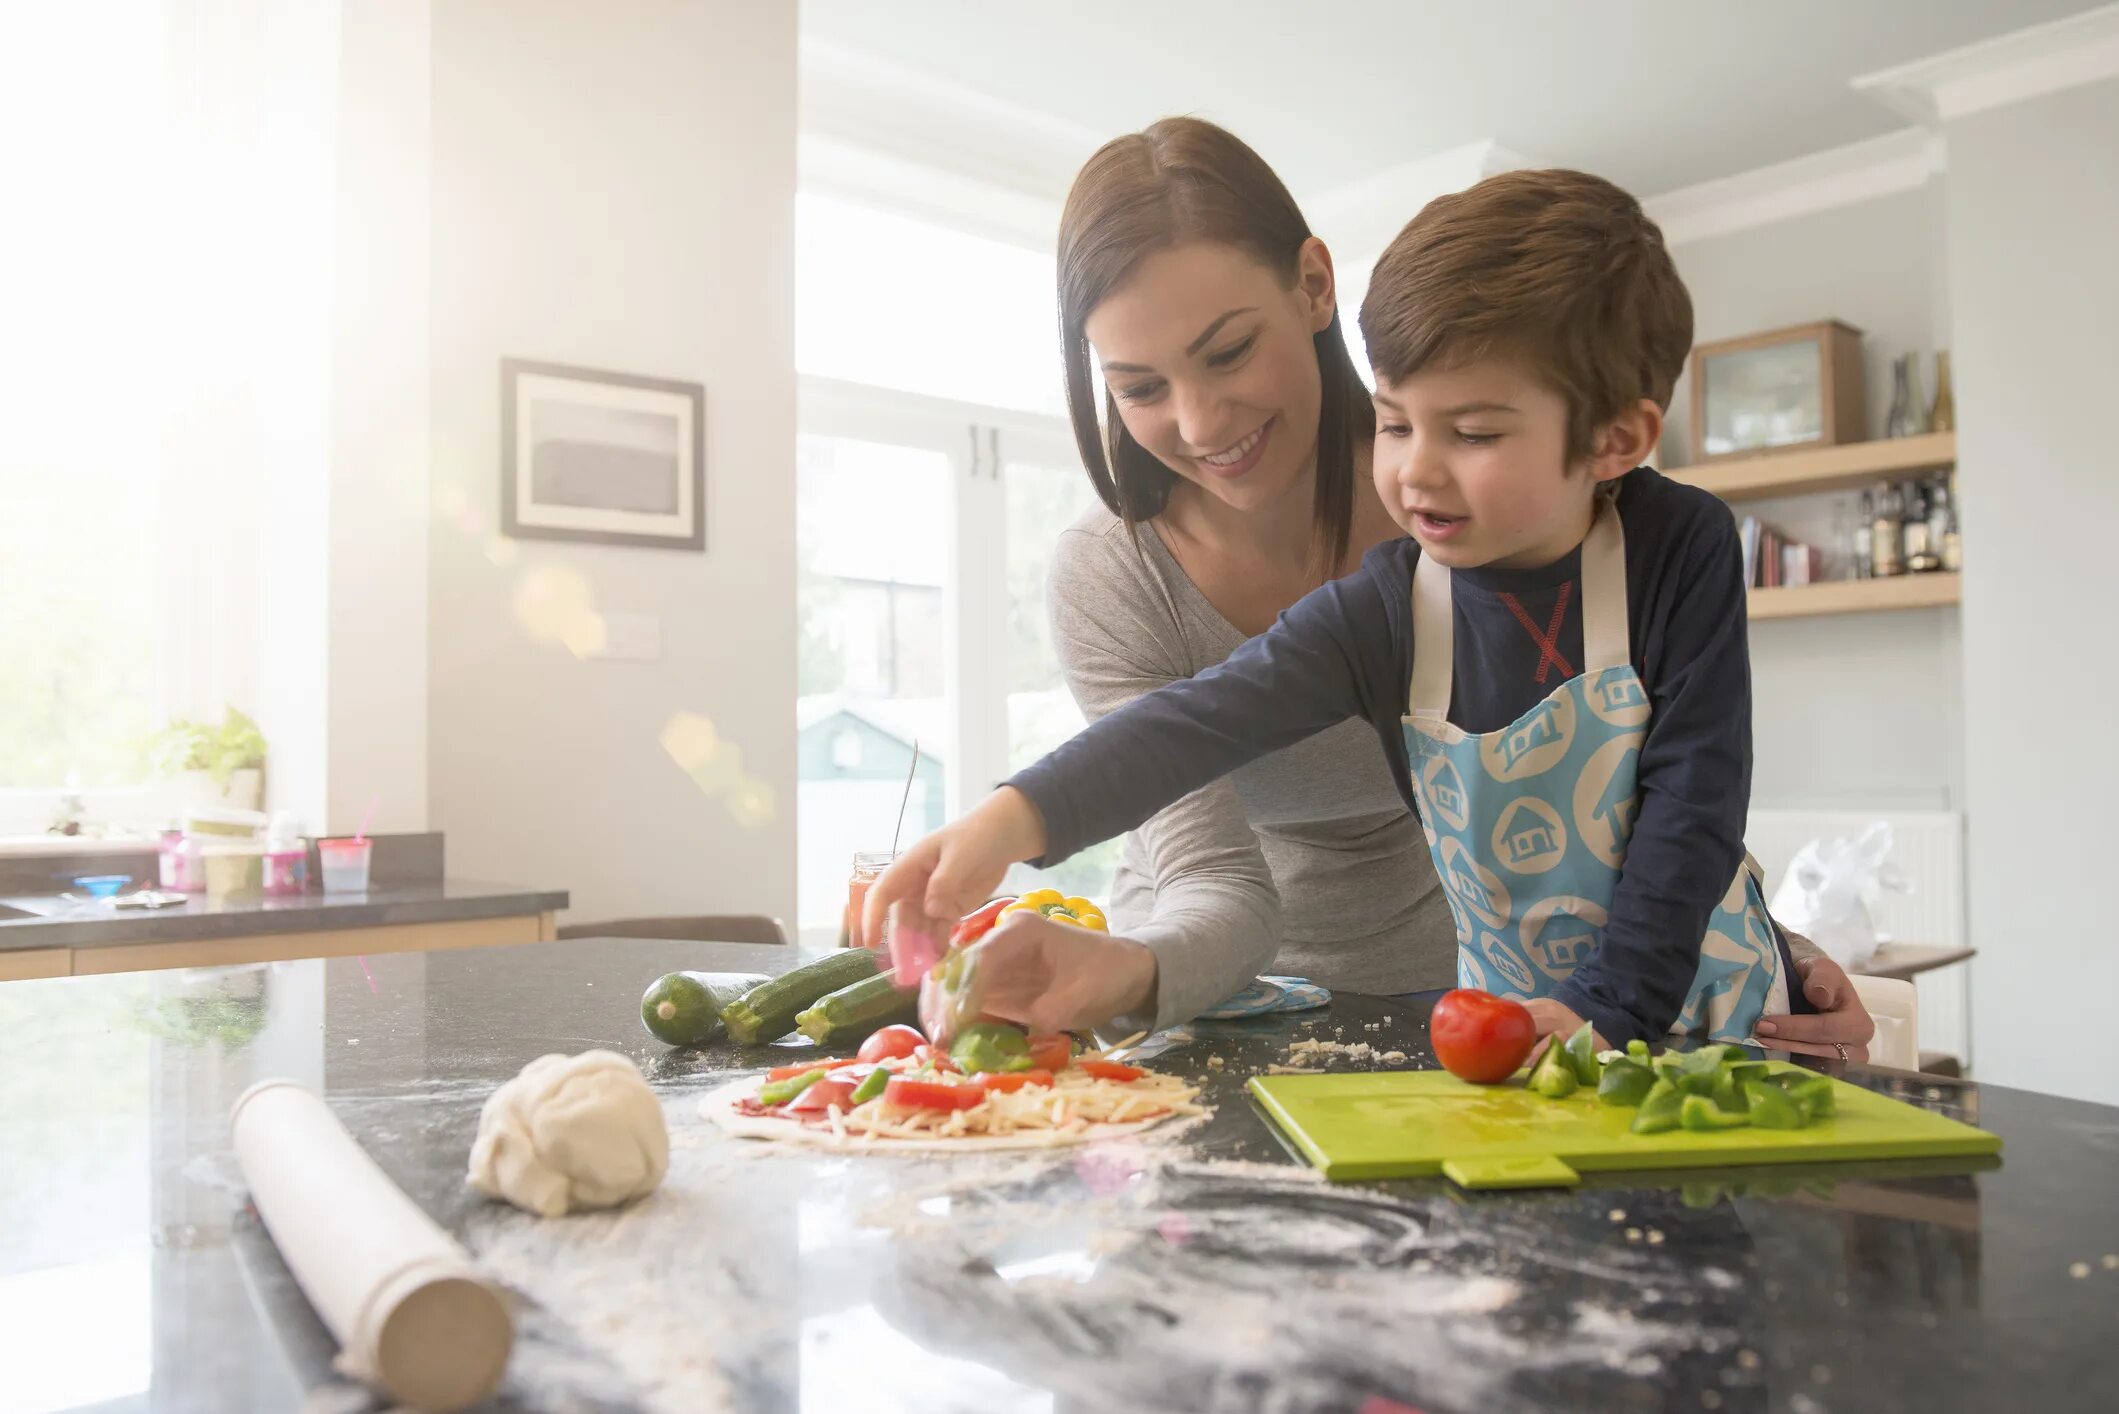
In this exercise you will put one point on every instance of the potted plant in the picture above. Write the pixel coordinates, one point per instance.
(224, 765)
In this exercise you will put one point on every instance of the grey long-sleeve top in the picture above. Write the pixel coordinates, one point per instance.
(1305, 862)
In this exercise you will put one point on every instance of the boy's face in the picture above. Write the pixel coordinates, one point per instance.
(1471, 462)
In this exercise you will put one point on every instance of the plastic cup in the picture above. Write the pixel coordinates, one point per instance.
(345, 865)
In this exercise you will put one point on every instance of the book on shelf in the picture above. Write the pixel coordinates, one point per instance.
(1772, 561)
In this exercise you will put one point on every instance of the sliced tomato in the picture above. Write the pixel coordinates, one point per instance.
(1008, 1081)
(1110, 1070)
(912, 1094)
(782, 1072)
(891, 1043)
(978, 923)
(823, 1095)
(1051, 1052)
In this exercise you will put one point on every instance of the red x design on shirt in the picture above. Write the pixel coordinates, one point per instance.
(1549, 641)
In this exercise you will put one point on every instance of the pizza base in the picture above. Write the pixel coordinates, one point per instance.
(720, 1106)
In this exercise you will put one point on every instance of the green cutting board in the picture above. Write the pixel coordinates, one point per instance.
(1409, 1123)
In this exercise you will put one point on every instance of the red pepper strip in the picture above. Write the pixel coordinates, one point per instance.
(928, 1095)
(1008, 1081)
(1110, 1070)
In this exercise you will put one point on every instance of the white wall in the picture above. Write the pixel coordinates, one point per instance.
(376, 585)
(1860, 711)
(326, 643)
(2034, 294)
(613, 187)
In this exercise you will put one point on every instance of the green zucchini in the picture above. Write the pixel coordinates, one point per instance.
(684, 1008)
(849, 1014)
(768, 1011)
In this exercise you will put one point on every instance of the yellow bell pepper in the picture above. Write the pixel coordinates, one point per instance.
(1058, 907)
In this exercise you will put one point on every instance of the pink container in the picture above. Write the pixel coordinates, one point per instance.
(286, 872)
(345, 864)
(181, 866)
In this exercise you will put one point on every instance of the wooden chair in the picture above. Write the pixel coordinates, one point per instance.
(709, 928)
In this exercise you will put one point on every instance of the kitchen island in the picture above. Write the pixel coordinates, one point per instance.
(1196, 1269)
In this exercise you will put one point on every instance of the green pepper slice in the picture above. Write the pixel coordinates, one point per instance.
(1582, 1055)
(1659, 1109)
(1554, 1075)
(779, 1092)
(1698, 1112)
(1625, 1081)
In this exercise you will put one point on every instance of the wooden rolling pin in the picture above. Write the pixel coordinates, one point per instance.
(411, 1312)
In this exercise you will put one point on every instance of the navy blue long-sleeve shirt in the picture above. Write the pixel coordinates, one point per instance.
(1345, 650)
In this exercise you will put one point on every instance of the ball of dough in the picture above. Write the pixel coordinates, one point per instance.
(571, 1132)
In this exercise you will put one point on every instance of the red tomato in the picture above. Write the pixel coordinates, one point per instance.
(891, 1043)
(978, 923)
(1111, 1070)
(823, 1095)
(1010, 1080)
(1481, 1037)
(1051, 1052)
(930, 1095)
(782, 1072)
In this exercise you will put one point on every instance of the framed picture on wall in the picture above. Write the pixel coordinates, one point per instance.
(604, 457)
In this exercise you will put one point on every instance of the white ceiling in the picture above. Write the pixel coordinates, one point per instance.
(1656, 94)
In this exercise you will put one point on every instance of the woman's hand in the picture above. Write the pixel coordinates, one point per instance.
(1048, 976)
(1840, 1019)
(958, 867)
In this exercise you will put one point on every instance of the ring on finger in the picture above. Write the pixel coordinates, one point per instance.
(1841, 1047)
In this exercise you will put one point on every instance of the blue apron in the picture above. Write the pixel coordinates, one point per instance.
(1528, 825)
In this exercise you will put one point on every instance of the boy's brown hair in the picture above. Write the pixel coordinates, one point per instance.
(1558, 268)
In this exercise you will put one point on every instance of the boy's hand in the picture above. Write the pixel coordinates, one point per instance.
(1557, 1019)
(958, 867)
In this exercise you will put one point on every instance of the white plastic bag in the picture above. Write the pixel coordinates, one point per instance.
(1830, 888)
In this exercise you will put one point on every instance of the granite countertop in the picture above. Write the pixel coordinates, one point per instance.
(1202, 1270)
(57, 923)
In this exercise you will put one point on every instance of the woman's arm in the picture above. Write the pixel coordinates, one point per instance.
(1215, 923)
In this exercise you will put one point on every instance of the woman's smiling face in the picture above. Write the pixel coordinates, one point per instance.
(1212, 361)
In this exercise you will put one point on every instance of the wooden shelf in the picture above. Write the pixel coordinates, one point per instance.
(1856, 596)
(1839, 468)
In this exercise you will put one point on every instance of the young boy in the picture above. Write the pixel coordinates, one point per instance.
(1554, 660)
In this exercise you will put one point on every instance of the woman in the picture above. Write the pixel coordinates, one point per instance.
(1233, 464)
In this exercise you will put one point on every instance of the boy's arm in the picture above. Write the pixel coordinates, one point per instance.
(1695, 787)
(1296, 679)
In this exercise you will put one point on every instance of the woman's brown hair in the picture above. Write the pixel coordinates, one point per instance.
(1178, 180)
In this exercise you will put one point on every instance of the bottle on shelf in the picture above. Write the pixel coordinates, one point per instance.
(1942, 417)
(1864, 566)
(1884, 532)
(1914, 546)
(1938, 520)
(1952, 546)
(1909, 416)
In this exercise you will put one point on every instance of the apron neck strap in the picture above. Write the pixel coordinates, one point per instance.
(1606, 640)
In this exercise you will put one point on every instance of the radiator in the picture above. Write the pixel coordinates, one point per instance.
(1928, 848)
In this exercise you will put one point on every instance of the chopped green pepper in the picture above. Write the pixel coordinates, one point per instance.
(779, 1092)
(1554, 1074)
(1812, 1092)
(1659, 1109)
(1582, 1055)
(1637, 1050)
(1696, 1071)
(1771, 1107)
(1698, 1112)
(871, 1085)
(1625, 1082)
(990, 1046)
